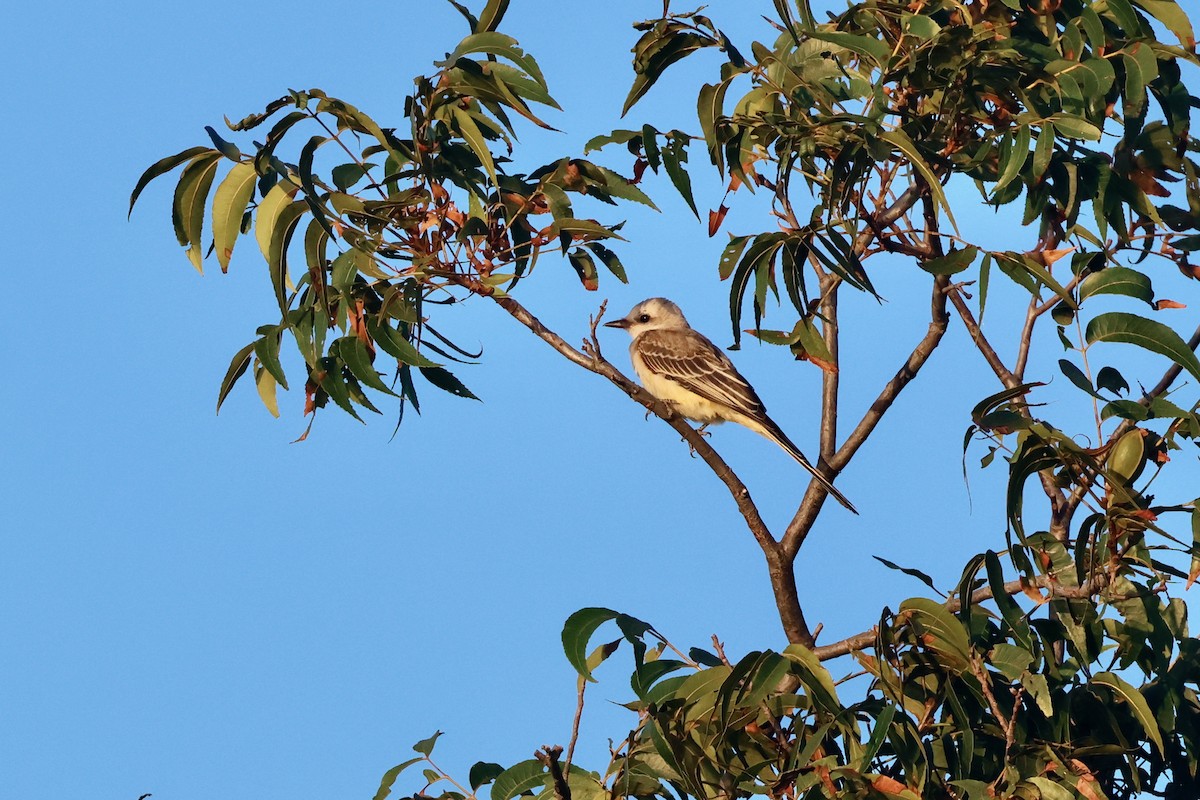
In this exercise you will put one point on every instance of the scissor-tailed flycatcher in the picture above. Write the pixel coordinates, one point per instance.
(684, 369)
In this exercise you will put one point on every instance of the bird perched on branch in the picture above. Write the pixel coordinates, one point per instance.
(682, 368)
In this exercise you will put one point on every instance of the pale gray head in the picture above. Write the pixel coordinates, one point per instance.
(657, 313)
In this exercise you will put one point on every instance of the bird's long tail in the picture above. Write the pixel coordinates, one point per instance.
(773, 432)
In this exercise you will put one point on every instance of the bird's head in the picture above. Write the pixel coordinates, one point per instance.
(657, 313)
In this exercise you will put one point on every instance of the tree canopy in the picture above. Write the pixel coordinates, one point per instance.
(1061, 665)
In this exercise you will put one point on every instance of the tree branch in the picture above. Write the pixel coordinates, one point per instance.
(806, 514)
(783, 581)
(1006, 376)
(597, 364)
(829, 377)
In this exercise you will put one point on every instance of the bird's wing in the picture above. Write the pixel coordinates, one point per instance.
(692, 361)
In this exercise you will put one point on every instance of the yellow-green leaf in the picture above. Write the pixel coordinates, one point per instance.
(1137, 704)
(187, 210)
(229, 204)
(278, 199)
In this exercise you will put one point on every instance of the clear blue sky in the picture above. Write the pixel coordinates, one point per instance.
(193, 606)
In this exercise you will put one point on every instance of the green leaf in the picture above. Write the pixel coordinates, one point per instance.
(269, 211)
(266, 384)
(1010, 660)
(389, 778)
(1137, 704)
(1049, 790)
(1112, 380)
(1075, 375)
(1117, 280)
(916, 573)
(483, 773)
(867, 46)
(520, 777)
(619, 186)
(1173, 17)
(237, 368)
(267, 350)
(1073, 127)
(585, 268)
(475, 140)
(577, 632)
(229, 206)
(945, 635)
(659, 48)
(616, 137)
(444, 380)
(489, 18)
(674, 157)
(345, 176)
(952, 263)
(730, 255)
(395, 345)
(354, 352)
(1117, 326)
(1015, 155)
(879, 732)
(283, 227)
(813, 676)
(163, 166)
(227, 149)
(901, 141)
(497, 44)
(425, 746)
(187, 210)
(609, 259)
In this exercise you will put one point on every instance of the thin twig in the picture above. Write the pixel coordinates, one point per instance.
(783, 580)
(1005, 375)
(575, 727)
(806, 514)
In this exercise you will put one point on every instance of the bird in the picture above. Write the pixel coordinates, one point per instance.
(682, 368)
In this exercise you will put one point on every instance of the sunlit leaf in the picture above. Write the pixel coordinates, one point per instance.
(520, 777)
(229, 205)
(1117, 326)
(389, 778)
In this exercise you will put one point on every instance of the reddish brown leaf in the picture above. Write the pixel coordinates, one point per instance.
(1088, 787)
(1145, 180)
(715, 218)
(1048, 257)
(888, 785)
(1159, 305)
(639, 169)
(1032, 592)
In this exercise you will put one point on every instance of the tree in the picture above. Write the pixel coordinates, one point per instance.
(1061, 664)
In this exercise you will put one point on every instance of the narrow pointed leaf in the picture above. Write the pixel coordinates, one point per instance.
(229, 205)
(161, 167)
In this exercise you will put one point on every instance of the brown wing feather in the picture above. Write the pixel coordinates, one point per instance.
(692, 361)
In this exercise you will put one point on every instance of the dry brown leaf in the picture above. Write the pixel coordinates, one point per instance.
(715, 218)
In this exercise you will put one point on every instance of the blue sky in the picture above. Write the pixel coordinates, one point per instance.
(195, 607)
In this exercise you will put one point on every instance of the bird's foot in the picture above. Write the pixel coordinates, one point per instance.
(669, 404)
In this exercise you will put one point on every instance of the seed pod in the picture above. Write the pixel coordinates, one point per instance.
(1128, 455)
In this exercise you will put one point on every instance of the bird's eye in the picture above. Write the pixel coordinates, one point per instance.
(644, 318)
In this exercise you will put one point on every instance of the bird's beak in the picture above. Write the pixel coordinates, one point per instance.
(617, 323)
